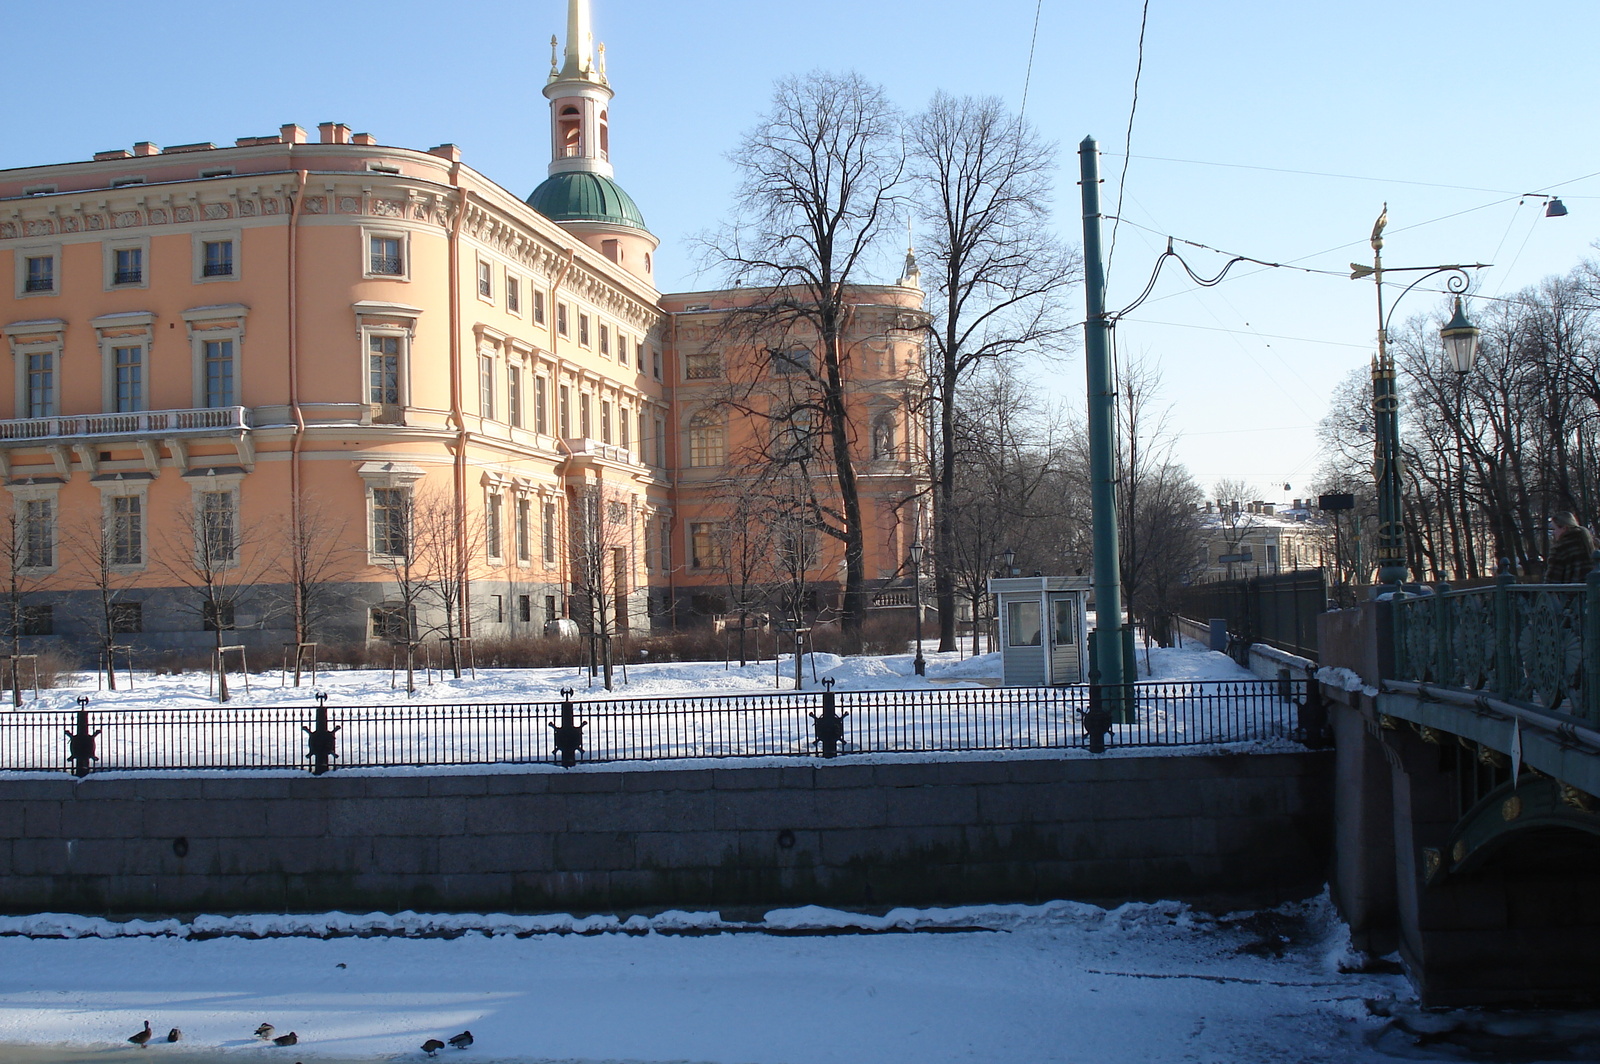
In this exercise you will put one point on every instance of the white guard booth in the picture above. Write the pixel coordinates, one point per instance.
(1042, 623)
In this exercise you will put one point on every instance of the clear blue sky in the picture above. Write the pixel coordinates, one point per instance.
(1296, 121)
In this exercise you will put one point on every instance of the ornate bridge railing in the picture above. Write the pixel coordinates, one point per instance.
(1536, 644)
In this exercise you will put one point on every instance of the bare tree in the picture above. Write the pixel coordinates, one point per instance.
(745, 553)
(996, 275)
(444, 546)
(395, 549)
(28, 555)
(315, 555)
(1234, 519)
(602, 546)
(107, 549)
(222, 561)
(1014, 489)
(819, 176)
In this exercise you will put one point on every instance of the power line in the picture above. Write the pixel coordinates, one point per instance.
(1127, 144)
(1027, 77)
(1355, 177)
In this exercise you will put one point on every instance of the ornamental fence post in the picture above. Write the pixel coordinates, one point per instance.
(1591, 645)
(1505, 658)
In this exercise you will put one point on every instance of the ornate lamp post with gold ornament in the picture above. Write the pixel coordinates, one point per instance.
(1460, 337)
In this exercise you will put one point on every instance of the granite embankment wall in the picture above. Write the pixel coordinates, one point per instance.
(1213, 829)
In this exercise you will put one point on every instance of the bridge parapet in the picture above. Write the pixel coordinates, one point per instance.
(1534, 644)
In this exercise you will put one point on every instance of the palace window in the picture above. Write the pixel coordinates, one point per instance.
(218, 371)
(40, 274)
(513, 294)
(387, 256)
(514, 394)
(541, 405)
(706, 441)
(127, 366)
(705, 546)
(390, 521)
(486, 386)
(704, 366)
(127, 266)
(383, 370)
(547, 534)
(218, 258)
(216, 532)
(38, 534)
(127, 529)
(491, 522)
(524, 532)
(485, 280)
(41, 384)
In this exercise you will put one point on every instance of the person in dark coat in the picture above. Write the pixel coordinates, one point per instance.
(1572, 555)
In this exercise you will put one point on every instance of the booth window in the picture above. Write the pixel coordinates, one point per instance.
(1022, 622)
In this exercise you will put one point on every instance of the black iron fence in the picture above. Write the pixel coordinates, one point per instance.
(1279, 609)
(806, 724)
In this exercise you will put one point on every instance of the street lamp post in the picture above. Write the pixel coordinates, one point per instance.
(1461, 342)
(919, 664)
(1460, 338)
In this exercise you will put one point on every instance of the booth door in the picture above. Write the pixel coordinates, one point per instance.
(1065, 660)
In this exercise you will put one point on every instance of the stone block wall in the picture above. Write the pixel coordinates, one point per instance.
(1213, 829)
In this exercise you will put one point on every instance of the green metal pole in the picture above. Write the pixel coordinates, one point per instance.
(1392, 567)
(1102, 446)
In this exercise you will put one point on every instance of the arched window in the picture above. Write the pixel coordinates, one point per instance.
(883, 436)
(605, 137)
(706, 444)
(570, 128)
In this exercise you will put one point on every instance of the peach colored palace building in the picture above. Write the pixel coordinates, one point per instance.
(322, 325)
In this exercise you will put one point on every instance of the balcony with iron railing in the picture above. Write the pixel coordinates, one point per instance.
(191, 422)
(133, 276)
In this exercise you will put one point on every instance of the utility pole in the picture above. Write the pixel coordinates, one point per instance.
(1108, 649)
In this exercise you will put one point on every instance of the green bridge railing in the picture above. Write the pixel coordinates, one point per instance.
(1538, 644)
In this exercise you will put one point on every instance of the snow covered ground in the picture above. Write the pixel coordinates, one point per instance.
(662, 679)
(173, 722)
(1057, 982)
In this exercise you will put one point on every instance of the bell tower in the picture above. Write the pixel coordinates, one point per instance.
(580, 98)
(580, 194)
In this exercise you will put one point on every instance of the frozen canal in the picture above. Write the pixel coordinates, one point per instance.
(1060, 982)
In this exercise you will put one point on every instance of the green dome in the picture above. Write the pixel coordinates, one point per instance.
(580, 196)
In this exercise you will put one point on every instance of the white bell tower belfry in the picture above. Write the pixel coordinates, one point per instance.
(579, 95)
(580, 194)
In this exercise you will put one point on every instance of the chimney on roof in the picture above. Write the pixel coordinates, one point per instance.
(144, 147)
(116, 153)
(446, 151)
(333, 132)
(366, 139)
(292, 134)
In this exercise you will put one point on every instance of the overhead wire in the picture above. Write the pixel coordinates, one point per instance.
(1027, 77)
(1127, 140)
(1111, 250)
(1362, 177)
